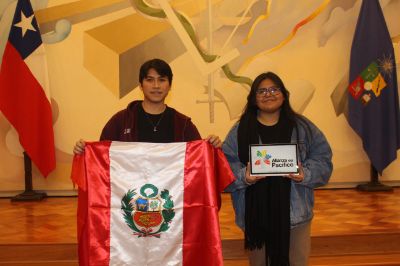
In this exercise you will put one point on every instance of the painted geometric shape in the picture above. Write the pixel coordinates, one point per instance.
(76, 12)
(114, 52)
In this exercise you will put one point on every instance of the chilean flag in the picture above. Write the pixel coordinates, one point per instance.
(150, 203)
(23, 100)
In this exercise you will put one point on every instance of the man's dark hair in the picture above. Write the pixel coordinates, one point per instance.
(162, 68)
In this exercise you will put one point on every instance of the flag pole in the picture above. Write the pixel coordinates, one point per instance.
(29, 194)
(374, 184)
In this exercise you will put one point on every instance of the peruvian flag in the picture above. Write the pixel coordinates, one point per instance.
(23, 78)
(150, 203)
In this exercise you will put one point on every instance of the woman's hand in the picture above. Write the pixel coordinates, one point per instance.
(249, 179)
(297, 177)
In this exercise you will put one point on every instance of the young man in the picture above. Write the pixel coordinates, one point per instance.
(151, 120)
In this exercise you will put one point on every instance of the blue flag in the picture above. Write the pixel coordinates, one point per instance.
(373, 93)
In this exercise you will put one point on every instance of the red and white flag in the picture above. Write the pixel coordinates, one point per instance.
(23, 78)
(150, 203)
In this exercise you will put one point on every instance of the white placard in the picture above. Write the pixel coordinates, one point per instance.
(273, 159)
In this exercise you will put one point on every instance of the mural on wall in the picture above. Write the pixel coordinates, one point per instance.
(216, 47)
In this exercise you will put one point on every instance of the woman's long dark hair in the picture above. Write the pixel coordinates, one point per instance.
(251, 106)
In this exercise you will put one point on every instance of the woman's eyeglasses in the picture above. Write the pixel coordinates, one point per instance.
(271, 90)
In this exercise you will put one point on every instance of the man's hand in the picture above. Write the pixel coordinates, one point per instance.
(214, 140)
(79, 147)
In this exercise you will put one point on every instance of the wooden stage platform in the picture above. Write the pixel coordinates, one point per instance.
(349, 228)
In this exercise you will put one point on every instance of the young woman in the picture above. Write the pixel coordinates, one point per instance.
(275, 212)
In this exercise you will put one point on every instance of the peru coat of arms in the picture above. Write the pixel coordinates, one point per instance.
(149, 213)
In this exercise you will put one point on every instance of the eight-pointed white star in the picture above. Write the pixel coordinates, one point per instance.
(25, 24)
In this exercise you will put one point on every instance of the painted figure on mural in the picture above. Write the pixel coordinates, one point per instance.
(275, 212)
(151, 120)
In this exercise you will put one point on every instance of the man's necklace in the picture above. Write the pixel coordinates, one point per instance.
(151, 121)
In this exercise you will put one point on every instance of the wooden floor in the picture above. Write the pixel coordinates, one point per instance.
(348, 226)
(338, 212)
